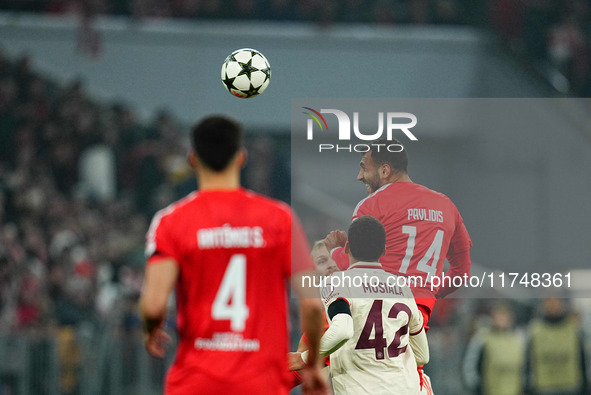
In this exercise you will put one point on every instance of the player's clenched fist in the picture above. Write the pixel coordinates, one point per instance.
(336, 238)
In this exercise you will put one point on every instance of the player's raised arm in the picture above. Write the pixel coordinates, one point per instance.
(160, 278)
(335, 242)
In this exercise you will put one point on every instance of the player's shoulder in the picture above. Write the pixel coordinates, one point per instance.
(272, 208)
(266, 201)
(333, 287)
(425, 189)
(371, 199)
(167, 217)
(414, 188)
(432, 194)
(175, 208)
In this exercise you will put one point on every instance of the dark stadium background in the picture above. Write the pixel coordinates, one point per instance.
(96, 98)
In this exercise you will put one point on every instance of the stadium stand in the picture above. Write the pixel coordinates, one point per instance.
(71, 240)
(552, 36)
(79, 181)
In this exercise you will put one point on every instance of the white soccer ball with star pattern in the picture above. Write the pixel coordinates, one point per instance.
(246, 73)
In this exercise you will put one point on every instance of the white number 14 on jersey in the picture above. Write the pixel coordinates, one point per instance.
(432, 253)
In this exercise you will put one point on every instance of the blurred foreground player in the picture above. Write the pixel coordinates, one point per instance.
(376, 336)
(228, 252)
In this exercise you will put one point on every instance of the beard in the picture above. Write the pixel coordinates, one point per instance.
(372, 183)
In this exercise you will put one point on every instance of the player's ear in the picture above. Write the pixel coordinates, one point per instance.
(242, 157)
(347, 249)
(193, 161)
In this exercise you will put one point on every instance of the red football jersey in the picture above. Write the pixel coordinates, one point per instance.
(234, 250)
(423, 227)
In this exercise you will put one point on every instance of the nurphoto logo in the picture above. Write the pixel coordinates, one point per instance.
(395, 121)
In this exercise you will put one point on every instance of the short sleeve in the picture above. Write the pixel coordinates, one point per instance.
(159, 240)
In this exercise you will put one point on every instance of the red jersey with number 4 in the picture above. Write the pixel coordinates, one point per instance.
(234, 250)
(423, 228)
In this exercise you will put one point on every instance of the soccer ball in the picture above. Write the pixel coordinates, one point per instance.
(246, 73)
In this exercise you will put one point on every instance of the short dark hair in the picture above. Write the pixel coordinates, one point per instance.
(216, 140)
(398, 161)
(367, 239)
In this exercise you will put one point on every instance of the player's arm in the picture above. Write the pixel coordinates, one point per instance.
(302, 346)
(159, 279)
(311, 311)
(418, 334)
(420, 347)
(302, 268)
(340, 329)
(295, 361)
(458, 256)
(335, 242)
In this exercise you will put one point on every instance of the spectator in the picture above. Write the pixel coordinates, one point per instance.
(566, 44)
(556, 362)
(495, 358)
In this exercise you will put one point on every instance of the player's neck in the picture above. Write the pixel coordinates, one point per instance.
(399, 177)
(225, 180)
(357, 263)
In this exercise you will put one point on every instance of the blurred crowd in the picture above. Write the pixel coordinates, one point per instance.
(552, 36)
(80, 180)
(364, 11)
(78, 183)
